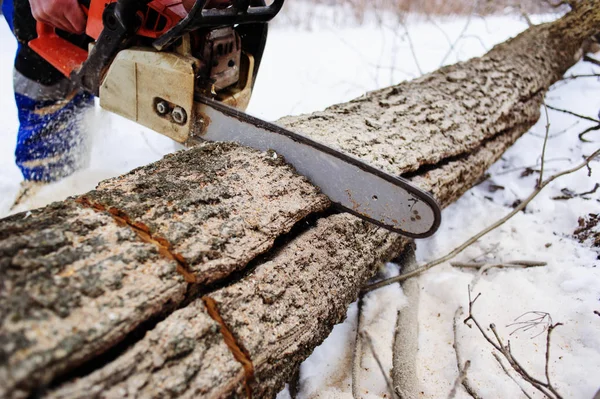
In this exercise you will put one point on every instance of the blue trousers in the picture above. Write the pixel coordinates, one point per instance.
(50, 141)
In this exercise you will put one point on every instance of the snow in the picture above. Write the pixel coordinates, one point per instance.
(312, 62)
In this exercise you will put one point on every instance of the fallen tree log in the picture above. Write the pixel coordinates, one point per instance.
(93, 282)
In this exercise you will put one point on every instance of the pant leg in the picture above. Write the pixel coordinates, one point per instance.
(51, 141)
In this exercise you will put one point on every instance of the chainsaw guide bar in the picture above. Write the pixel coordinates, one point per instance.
(352, 186)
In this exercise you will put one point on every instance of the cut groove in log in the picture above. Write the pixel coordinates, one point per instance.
(239, 352)
(144, 234)
(221, 212)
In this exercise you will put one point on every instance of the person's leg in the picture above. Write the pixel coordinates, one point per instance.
(50, 141)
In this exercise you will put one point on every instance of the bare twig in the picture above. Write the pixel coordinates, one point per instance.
(548, 341)
(524, 15)
(412, 48)
(556, 134)
(499, 360)
(530, 167)
(538, 319)
(390, 388)
(560, 3)
(513, 263)
(588, 75)
(483, 267)
(544, 387)
(478, 39)
(493, 247)
(566, 111)
(568, 194)
(477, 236)
(592, 191)
(590, 59)
(586, 131)
(357, 355)
(460, 379)
(461, 34)
(459, 363)
(541, 178)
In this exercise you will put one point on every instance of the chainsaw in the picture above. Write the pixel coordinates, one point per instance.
(187, 71)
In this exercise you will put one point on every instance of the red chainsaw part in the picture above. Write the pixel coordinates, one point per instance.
(159, 17)
(60, 53)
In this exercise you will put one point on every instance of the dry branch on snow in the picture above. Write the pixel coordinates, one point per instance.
(187, 277)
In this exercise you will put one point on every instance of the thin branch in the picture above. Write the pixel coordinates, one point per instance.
(591, 59)
(586, 131)
(530, 167)
(539, 319)
(477, 236)
(556, 134)
(461, 34)
(566, 111)
(568, 194)
(388, 382)
(559, 4)
(357, 355)
(541, 179)
(524, 15)
(461, 370)
(512, 263)
(462, 376)
(499, 360)
(481, 42)
(412, 48)
(589, 75)
(545, 387)
(592, 191)
(550, 329)
(493, 247)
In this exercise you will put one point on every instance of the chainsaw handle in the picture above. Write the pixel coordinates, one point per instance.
(241, 12)
(59, 52)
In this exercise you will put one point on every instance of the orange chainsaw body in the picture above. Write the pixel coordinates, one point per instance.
(159, 17)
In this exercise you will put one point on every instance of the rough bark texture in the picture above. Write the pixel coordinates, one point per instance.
(406, 334)
(78, 276)
(203, 214)
(73, 283)
(184, 356)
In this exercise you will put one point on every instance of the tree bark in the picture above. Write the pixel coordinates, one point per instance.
(406, 333)
(154, 285)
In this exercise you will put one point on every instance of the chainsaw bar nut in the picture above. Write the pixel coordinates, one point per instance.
(162, 107)
(179, 115)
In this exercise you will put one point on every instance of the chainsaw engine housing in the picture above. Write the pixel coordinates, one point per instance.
(150, 59)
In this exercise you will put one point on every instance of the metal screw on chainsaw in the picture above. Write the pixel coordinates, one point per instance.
(162, 107)
(179, 115)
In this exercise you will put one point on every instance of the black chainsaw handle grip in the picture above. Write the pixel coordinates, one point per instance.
(240, 12)
(119, 22)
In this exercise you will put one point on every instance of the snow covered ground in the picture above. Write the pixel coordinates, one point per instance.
(313, 62)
